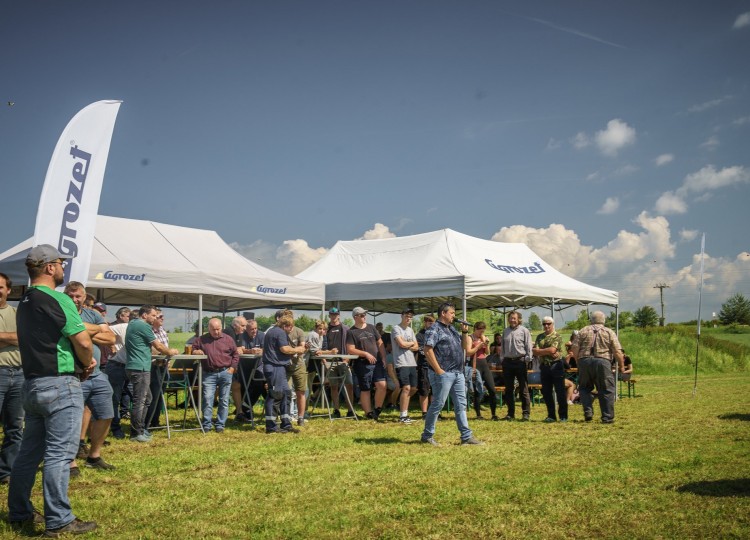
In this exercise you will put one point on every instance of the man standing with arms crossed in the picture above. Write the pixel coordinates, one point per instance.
(516, 356)
(364, 341)
(547, 348)
(54, 343)
(596, 349)
(11, 383)
(444, 350)
(404, 344)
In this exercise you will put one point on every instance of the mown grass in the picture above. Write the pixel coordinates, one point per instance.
(673, 466)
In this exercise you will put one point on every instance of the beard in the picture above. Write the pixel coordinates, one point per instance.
(59, 278)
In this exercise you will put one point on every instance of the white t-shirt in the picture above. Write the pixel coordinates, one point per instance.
(402, 357)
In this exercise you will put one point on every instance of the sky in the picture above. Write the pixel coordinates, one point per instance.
(608, 136)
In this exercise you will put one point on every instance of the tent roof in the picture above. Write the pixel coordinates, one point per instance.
(426, 269)
(139, 262)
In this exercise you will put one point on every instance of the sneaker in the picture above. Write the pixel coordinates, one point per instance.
(300, 422)
(508, 418)
(289, 429)
(336, 413)
(74, 527)
(83, 451)
(377, 412)
(350, 414)
(608, 421)
(405, 420)
(142, 438)
(118, 434)
(471, 440)
(563, 419)
(495, 418)
(549, 420)
(98, 463)
(480, 417)
(240, 417)
(272, 431)
(525, 418)
(370, 416)
(430, 440)
(588, 418)
(219, 429)
(570, 402)
(75, 472)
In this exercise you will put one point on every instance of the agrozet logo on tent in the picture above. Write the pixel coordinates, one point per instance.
(114, 276)
(536, 268)
(262, 289)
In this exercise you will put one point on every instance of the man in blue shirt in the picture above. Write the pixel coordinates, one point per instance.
(444, 351)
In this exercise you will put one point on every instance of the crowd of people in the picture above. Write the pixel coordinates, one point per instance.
(65, 374)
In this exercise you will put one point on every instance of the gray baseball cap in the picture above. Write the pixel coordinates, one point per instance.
(359, 311)
(43, 254)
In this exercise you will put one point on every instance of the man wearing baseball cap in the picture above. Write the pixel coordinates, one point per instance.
(54, 346)
(364, 341)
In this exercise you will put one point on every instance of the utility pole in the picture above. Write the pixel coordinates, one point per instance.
(661, 287)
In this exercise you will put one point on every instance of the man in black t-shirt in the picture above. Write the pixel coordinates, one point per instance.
(364, 341)
(336, 339)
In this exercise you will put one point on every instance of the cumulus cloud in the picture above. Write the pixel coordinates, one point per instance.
(742, 20)
(700, 184)
(553, 144)
(663, 159)
(610, 206)
(378, 231)
(615, 137)
(741, 121)
(688, 235)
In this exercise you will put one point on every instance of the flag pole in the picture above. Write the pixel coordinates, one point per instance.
(700, 299)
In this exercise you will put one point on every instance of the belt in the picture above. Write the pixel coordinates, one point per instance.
(513, 357)
(218, 370)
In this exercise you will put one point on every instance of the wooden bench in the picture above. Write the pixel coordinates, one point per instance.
(631, 387)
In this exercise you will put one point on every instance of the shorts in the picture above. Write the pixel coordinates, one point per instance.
(339, 372)
(423, 380)
(297, 375)
(407, 376)
(368, 373)
(97, 396)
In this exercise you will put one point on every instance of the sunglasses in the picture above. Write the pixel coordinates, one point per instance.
(547, 324)
(62, 264)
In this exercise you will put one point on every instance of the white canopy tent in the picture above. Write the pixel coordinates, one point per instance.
(425, 269)
(138, 262)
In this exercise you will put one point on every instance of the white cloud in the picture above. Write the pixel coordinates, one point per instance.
(711, 143)
(625, 170)
(580, 140)
(670, 203)
(688, 235)
(663, 159)
(742, 20)
(700, 183)
(593, 176)
(378, 231)
(741, 121)
(296, 255)
(610, 206)
(615, 137)
(700, 107)
(553, 144)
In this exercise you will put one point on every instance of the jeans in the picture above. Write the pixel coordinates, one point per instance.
(450, 383)
(597, 372)
(553, 376)
(516, 369)
(117, 378)
(211, 381)
(54, 408)
(484, 377)
(141, 381)
(154, 410)
(11, 405)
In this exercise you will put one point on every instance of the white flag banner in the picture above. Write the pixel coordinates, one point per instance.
(69, 204)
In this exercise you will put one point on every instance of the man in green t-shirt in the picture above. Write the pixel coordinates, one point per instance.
(547, 349)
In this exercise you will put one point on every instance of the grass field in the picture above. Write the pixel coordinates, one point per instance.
(673, 466)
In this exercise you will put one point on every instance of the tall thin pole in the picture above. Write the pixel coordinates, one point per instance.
(700, 299)
(661, 287)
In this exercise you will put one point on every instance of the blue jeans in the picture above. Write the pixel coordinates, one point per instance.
(451, 383)
(222, 380)
(117, 377)
(141, 381)
(54, 408)
(11, 404)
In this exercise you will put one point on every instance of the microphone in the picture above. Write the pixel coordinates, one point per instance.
(459, 321)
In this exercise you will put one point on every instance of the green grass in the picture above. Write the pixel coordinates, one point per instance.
(673, 466)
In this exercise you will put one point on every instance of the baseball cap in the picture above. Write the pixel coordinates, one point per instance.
(43, 254)
(359, 311)
(334, 311)
(100, 307)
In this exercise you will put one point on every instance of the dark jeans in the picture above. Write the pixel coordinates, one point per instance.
(278, 392)
(597, 373)
(11, 405)
(483, 369)
(553, 376)
(141, 381)
(117, 378)
(154, 410)
(516, 369)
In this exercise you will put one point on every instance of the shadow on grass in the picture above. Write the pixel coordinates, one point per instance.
(735, 416)
(378, 440)
(739, 487)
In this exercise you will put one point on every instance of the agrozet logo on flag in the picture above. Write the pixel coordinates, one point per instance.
(262, 289)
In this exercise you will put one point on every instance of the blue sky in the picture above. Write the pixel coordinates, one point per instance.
(607, 136)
